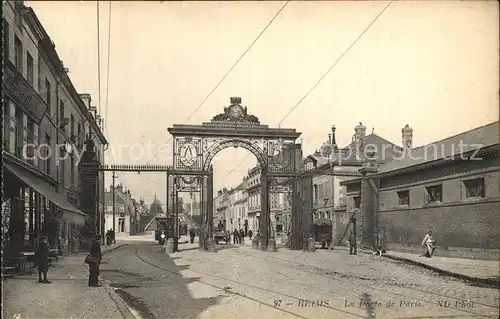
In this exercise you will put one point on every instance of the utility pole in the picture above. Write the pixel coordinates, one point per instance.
(114, 234)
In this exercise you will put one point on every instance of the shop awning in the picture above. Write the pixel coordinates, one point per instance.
(45, 189)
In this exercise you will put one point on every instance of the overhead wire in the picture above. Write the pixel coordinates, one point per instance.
(98, 58)
(225, 75)
(321, 78)
(108, 67)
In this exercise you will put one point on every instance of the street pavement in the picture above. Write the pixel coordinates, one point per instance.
(240, 282)
(68, 296)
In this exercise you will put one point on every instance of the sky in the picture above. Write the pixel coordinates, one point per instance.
(430, 64)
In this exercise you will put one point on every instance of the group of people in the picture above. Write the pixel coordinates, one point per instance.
(239, 236)
(42, 256)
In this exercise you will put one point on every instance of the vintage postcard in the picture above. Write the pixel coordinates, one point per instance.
(244, 159)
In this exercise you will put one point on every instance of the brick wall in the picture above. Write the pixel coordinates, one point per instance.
(460, 230)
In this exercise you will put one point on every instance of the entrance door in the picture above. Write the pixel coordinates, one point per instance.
(121, 225)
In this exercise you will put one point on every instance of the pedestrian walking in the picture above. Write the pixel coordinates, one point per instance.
(352, 237)
(42, 259)
(250, 233)
(242, 236)
(236, 236)
(192, 234)
(94, 261)
(428, 243)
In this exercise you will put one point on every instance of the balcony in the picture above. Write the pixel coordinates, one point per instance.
(22, 93)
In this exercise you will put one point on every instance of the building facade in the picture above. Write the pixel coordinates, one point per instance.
(124, 211)
(41, 146)
(450, 187)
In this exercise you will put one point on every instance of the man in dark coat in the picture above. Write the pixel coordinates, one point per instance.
(242, 236)
(192, 234)
(352, 237)
(250, 234)
(42, 259)
(236, 236)
(95, 251)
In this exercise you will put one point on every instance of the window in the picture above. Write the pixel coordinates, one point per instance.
(48, 97)
(72, 126)
(72, 170)
(18, 128)
(19, 54)
(316, 193)
(404, 198)
(30, 71)
(46, 154)
(6, 124)
(79, 138)
(357, 202)
(61, 167)
(434, 194)
(474, 188)
(30, 140)
(61, 116)
(6, 40)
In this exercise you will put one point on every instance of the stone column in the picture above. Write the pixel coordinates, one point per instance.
(264, 215)
(89, 168)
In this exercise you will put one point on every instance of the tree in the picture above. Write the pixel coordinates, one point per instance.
(155, 208)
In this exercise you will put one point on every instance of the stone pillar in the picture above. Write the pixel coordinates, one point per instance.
(369, 207)
(264, 215)
(210, 210)
(89, 168)
(203, 223)
(296, 217)
(35, 142)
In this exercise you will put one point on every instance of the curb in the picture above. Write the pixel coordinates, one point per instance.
(119, 302)
(494, 283)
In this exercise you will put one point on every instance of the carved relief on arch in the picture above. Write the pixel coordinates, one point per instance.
(219, 146)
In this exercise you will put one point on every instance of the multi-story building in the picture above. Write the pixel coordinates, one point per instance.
(252, 181)
(42, 145)
(332, 165)
(221, 206)
(450, 187)
(124, 210)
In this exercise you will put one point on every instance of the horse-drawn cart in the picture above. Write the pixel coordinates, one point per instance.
(323, 232)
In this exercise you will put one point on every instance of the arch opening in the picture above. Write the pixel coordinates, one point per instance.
(236, 143)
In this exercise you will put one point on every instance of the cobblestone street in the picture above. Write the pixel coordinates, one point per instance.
(68, 296)
(238, 281)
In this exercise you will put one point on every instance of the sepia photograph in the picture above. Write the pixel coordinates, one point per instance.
(250, 159)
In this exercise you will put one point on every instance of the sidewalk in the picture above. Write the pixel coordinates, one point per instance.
(479, 271)
(484, 271)
(68, 296)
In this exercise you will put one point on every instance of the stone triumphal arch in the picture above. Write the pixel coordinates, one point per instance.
(195, 146)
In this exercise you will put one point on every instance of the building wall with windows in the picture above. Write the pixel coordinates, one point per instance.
(124, 211)
(460, 203)
(455, 194)
(35, 81)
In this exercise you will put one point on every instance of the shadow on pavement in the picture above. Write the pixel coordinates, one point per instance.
(157, 289)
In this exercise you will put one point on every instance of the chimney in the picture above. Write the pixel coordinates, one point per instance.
(333, 140)
(407, 137)
(359, 131)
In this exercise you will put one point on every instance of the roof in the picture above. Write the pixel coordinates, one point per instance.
(479, 137)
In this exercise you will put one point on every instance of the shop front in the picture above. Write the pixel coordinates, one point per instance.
(31, 206)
